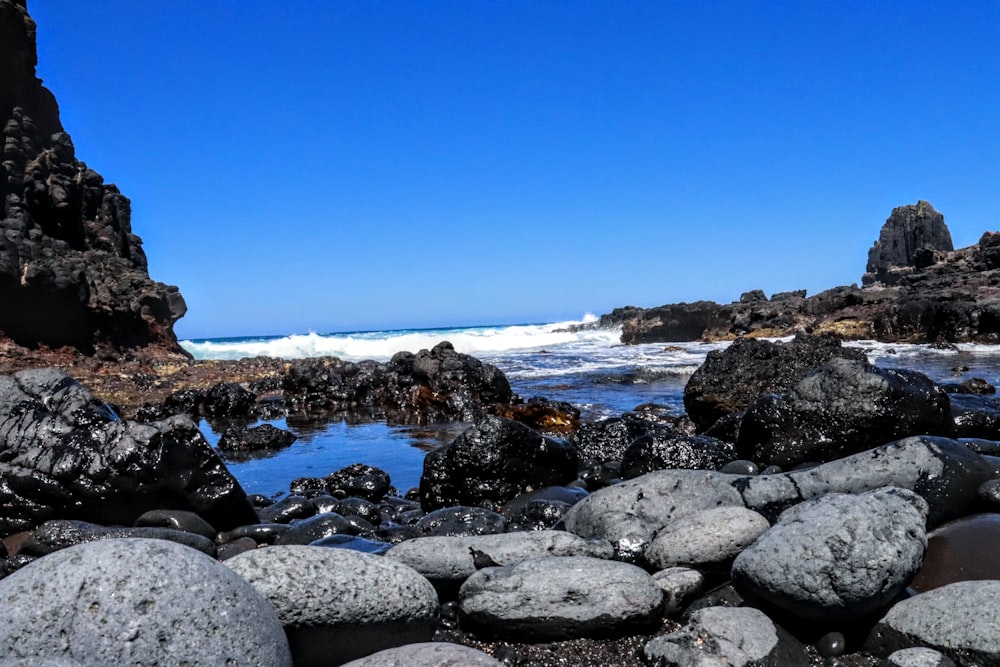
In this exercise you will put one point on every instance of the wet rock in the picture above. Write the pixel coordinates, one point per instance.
(228, 399)
(955, 553)
(287, 509)
(556, 598)
(739, 637)
(358, 507)
(607, 440)
(261, 533)
(679, 586)
(706, 538)
(462, 521)
(428, 654)
(448, 561)
(359, 480)
(243, 443)
(59, 534)
(305, 531)
(542, 415)
(354, 543)
(338, 605)
(541, 509)
(491, 463)
(731, 379)
(842, 408)
(178, 520)
(862, 551)
(975, 416)
(665, 449)
(113, 602)
(958, 620)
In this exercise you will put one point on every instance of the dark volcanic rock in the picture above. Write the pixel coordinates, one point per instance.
(360, 480)
(608, 439)
(241, 443)
(491, 463)
(436, 385)
(665, 449)
(72, 273)
(733, 378)
(66, 455)
(843, 407)
(671, 323)
(908, 240)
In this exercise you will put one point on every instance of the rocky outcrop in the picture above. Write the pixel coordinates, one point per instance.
(72, 273)
(913, 237)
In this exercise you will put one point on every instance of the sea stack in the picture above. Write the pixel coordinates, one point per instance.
(913, 237)
(72, 273)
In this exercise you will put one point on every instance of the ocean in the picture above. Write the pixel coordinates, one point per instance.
(590, 369)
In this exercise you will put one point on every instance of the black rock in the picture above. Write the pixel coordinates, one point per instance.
(665, 449)
(608, 439)
(241, 443)
(361, 481)
(228, 399)
(907, 241)
(287, 509)
(462, 521)
(59, 534)
(306, 531)
(178, 520)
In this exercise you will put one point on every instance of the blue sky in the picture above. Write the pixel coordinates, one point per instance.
(345, 165)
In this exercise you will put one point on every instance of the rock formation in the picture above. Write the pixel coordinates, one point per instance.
(72, 273)
(913, 237)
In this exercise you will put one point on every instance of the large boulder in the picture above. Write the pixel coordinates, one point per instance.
(492, 462)
(137, 602)
(843, 407)
(908, 240)
(66, 455)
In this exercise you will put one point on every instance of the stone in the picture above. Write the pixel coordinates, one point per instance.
(178, 520)
(228, 399)
(137, 601)
(306, 531)
(560, 597)
(679, 586)
(361, 481)
(461, 521)
(958, 620)
(446, 561)
(492, 462)
(667, 449)
(738, 637)
(837, 557)
(428, 654)
(67, 455)
(607, 440)
(908, 230)
(918, 657)
(338, 605)
(706, 538)
(59, 534)
(955, 553)
(244, 443)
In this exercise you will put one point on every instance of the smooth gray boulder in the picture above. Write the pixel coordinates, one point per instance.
(338, 605)
(137, 601)
(679, 586)
(918, 657)
(959, 620)
(560, 597)
(726, 636)
(704, 538)
(942, 471)
(428, 654)
(837, 557)
(447, 560)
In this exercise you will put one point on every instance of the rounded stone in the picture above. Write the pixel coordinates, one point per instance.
(557, 598)
(338, 604)
(918, 656)
(428, 654)
(706, 537)
(679, 585)
(137, 601)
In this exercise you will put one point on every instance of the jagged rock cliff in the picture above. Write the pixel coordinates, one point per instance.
(72, 273)
(913, 237)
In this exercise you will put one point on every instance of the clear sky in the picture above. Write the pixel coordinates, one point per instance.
(342, 165)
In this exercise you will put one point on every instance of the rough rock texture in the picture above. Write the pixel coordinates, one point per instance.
(339, 605)
(559, 598)
(62, 533)
(137, 601)
(244, 443)
(704, 538)
(72, 273)
(843, 407)
(679, 586)
(733, 378)
(436, 385)
(918, 656)
(665, 448)
(607, 440)
(909, 238)
(839, 556)
(491, 463)
(959, 620)
(66, 455)
(736, 637)
(428, 654)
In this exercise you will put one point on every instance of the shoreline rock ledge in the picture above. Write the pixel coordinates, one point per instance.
(72, 273)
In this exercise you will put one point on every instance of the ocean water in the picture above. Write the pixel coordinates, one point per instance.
(589, 369)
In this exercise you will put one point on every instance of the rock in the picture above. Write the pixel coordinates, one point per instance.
(68, 455)
(338, 605)
(306, 531)
(958, 620)
(731, 379)
(667, 449)
(918, 657)
(739, 637)
(843, 407)
(909, 230)
(136, 601)
(837, 557)
(975, 416)
(429, 386)
(607, 440)
(542, 508)
(673, 323)
(560, 597)
(178, 520)
(447, 561)
(288, 509)
(61, 533)
(542, 415)
(354, 543)
(461, 521)
(362, 481)
(679, 586)
(243, 443)
(428, 654)
(706, 538)
(491, 463)
(228, 399)
(954, 553)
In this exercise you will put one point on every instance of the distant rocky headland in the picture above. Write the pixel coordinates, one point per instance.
(917, 289)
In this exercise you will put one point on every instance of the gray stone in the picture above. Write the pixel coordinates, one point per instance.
(428, 654)
(706, 537)
(959, 620)
(338, 605)
(679, 586)
(447, 559)
(560, 598)
(723, 637)
(136, 601)
(838, 557)
(919, 657)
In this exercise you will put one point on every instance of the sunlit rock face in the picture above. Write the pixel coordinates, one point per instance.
(912, 237)
(72, 273)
